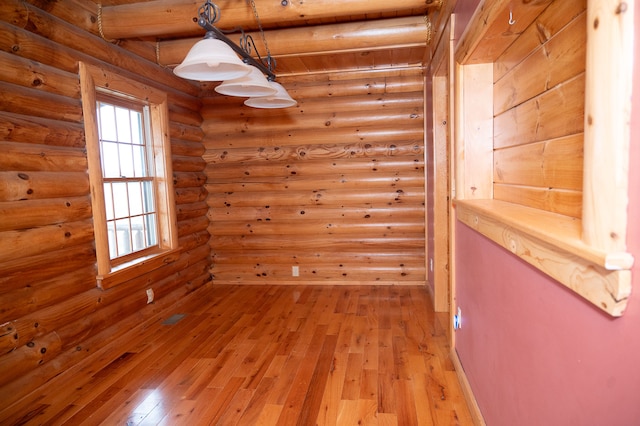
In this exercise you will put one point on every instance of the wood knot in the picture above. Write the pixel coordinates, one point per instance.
(622, 8)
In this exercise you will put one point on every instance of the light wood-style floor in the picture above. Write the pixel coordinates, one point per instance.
(268, 355)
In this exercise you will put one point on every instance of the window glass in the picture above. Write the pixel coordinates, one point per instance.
(128, 183)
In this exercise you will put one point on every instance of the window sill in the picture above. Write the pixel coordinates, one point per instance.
(136, 268)
(552, 243)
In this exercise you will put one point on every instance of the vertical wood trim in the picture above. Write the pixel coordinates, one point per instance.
(474, 135)
(458, 129)
(165, 195)
(88, 91)
(452, 184)
(440, 202)
(607, 116)
(428, 197)
(441, 96)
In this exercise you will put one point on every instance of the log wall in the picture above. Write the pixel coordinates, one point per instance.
(333, 187)
(539, 92)
(51, 311)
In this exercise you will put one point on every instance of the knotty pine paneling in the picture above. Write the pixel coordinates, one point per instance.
(51, 311)
(333, 186)
(539, 93)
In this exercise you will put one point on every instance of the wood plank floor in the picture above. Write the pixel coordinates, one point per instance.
(266, 355)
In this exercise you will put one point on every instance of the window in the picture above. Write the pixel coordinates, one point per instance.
(127, 175)
(129, 164)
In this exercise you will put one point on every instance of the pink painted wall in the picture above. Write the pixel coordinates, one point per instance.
(534, 352)
(429, 179)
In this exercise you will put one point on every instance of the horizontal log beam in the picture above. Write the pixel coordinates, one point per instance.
(317, 228)
(16, 186)
(314, 167)
(324, 197)
(191, 211)
(405, 117)
(327, 39)
(36, 157)
(30, 214)
(408, 178)
(291, 137)
(165, 18)
(28, 357)
(192, 226)
(29, 129)
(35, 241)
(36, 295)
(293, 213)
(190, 195)
(188, 148)
(289, 257)
(336, 243)
(313, 152)
(185, 132)
(22, 100)
(32, 74)
(331, 273)
(183, 163)
(375, 103)
(27, 270)
(188, 179)
(306, 88)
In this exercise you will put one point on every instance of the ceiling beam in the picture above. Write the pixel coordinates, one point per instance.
(333, 38)
(166, 18)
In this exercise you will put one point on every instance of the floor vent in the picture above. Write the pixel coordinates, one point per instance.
(173, 319)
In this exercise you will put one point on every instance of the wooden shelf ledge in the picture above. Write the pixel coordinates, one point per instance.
(553, 244)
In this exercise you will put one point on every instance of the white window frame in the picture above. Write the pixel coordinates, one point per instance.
(95, 81)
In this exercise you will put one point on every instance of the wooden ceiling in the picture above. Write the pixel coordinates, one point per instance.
(304, 36)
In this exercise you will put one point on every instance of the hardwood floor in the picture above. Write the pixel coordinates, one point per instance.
(266, 355)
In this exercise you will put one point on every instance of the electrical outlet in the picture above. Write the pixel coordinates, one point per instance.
(150, 295)
(457, 320)
(295, 271)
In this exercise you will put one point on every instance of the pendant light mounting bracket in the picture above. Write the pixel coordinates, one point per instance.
(209, 14)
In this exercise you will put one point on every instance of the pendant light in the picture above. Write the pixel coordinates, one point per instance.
(215, 58)
(280, 99)
(211, 59)
(252, 84)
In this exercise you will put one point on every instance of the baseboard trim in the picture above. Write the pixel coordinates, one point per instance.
(476, 414)
(302, 281)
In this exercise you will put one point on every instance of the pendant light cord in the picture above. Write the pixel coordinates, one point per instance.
(264, 39)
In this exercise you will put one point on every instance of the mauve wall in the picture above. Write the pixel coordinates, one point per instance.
(534, 352)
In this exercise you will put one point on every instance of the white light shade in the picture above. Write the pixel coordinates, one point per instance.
(280, 100)
(211, 59)
(253, 84)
